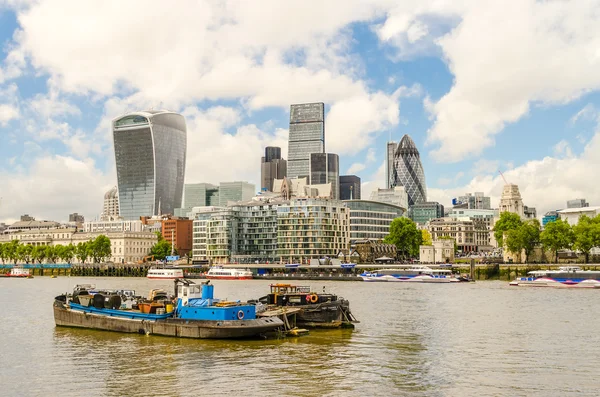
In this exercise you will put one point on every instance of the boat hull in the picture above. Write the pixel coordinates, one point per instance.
(415, 279)
(324, 315)
(553, 283)
(229, 277)
(197, 329)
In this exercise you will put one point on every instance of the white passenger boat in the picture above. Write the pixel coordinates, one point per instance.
(416, 274)
(564, 277)
(220, 273)
(164, 273)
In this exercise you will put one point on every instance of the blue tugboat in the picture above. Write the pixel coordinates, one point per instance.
(193, 313)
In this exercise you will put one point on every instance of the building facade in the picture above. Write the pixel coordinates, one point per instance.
(76, 218)
(178, 232)
(370, 220)
(390, 155)
(256, 232)
(349, 187)
(306, 136)
(572, 215)
(396, 196)
(511, 200)
(473, 201)
(441, 251)
(113, 226)
(232, 192)
(324, 168)
(470, 235)
(408, 171)
(272, 167)
(150, 154)
(421, 213)
(577, 203)
(110, 209)
(550, 216)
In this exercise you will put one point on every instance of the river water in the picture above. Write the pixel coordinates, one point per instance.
(467, 339)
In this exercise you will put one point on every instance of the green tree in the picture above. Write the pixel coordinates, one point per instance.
(51, 253)
(11, 250)
(67, 252)
(405, 236)
(24, 252)
(557, 235)
(100, 248)
(426, 237)
(587, 235)
(508, 221)
(3, 256)
(161, 249)
(524, 238)
(42, 252)
(82, 251)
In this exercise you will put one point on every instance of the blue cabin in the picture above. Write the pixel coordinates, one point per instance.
(196, 302)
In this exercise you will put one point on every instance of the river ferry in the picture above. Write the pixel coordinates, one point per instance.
(416, 274)
(18, 272)
(220, 273)
(191, 313)
(164, 273)
(564, 277)
(317, 309)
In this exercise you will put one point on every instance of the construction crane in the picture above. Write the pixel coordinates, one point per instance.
(502, 175)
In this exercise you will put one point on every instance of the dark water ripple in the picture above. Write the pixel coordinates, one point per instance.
(481, 339)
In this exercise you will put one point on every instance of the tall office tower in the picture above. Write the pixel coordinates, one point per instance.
(389, 163)
(325, 168)
(150, 150)
(272, 167)
(511, 200)
(200, 195)
(349, 187)
(470, 201)
(110, 210)
(307, 135)
(408, 171)
(235, 192)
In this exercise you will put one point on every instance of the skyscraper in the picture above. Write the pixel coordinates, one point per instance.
(408, 171)
(150, 150)
(110, 210)
(272, 167)
(235, 191)
(389, 163)
(307, 135)
(349, 187)
(325, 168)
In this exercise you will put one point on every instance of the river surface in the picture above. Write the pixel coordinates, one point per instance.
(467, 339)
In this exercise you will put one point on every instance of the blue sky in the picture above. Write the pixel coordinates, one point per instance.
(477, 95)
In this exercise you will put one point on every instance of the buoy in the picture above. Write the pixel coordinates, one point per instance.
(240, 315)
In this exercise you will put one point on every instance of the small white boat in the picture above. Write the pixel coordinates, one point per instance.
(18, 271)
(164, 273)
(415, 274)
(564, 277)
(220, 273)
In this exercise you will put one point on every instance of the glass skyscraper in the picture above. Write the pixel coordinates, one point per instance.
(150, 149)
(325, 168)
(307, 135)
(408, 171)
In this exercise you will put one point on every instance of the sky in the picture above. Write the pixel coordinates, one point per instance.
(481, 86)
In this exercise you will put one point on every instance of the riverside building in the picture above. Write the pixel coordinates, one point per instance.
(370, 220)
(150, 153)
(307, 135)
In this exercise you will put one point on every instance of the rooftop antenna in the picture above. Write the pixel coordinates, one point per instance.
(502, 175)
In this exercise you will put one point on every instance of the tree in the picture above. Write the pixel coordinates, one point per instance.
(82, 251)
(557, 235)
(99, 248)
(426, 237)
(161, 249)
(24, 252)
(3, 256)
(508, 221)
(11, 249)
(66, 253)
(42, 252)
(405, 236)
(51, 253)
(524, 238)
(587, 235)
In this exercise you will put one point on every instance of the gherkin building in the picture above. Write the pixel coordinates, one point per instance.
(408, 171)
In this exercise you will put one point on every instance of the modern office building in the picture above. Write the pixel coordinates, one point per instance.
(349, 187)
(200, 195)
(473, 201)
(529, 212)
(312, 229)
(577, 203)
(307, 135)
(572, 215)
(272, 167)
(370, 220)
(150, 152)
(390, 154)
(324, 168)
(421, 213)
(231, 192)
(110, 209)
(396, 196)
(550, 216)
(407, 171)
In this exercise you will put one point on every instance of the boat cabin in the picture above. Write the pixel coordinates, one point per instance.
(295, 295)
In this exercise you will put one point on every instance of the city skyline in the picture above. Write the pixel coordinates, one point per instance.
(473, 104)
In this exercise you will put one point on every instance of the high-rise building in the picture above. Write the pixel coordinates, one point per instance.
(272, 167)
(77, 218)
(421, 213)
(396, 196)
(307, 135)
(235, 191)
(475, 201)
(407, 171)
(389, 162)
(200, 195)
(110, 210)
(511, 200)
(150, 149)
(349, 187)
(325, 168)
(577, 203)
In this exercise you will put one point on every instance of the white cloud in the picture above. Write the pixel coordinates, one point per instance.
(355, 168)
(563, 148)
(588, 112)
(8, 113)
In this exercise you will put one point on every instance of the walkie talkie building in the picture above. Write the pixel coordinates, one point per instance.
(407, 171)
(150, 149)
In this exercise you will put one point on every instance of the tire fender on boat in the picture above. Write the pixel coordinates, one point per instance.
(314, 298)
(240, 315)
